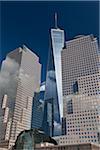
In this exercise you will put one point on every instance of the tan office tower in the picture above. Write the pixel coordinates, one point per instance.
(20, 78)
(81, 91)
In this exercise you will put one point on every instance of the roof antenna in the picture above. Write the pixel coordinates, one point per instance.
(56, 20)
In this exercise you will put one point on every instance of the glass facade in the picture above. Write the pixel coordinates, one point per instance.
(48, 118)
(57, 37)
(37, 111)
(53, 88)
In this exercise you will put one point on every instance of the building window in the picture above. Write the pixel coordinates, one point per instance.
(69, 107)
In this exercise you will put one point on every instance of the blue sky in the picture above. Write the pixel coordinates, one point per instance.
(30, 22)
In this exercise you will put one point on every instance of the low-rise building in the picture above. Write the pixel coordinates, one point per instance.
(85, 146)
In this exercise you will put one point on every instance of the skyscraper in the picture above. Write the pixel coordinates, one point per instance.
(81, 90)
(43, 112)
(54, 76)
(48, 117)
(38, 108)
(20, 74)
(57, 42)
(37, 112)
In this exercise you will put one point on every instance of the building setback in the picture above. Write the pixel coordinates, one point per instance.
(16, 101)
(81, 91)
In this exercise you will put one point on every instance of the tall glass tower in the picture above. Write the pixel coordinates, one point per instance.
(57, 37)
(54, 77)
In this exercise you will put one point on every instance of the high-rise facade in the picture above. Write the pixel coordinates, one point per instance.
(38, 108)
(43, 112)
(57, 43)
(48, 117)
(81, 91)
(54, 76)
(22, 72)
(37, 112)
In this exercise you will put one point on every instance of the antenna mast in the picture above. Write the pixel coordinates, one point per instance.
(56, 20)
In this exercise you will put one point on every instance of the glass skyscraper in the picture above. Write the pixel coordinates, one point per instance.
(54, 78)
(57, 38)
(48, 117)
(38, 108)
(43, 112)
(37, 111)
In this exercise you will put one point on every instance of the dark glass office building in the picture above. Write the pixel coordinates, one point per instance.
(37, 111)
(43, 114)
(48, 117)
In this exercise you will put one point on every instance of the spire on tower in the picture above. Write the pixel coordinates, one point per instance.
(56, 20)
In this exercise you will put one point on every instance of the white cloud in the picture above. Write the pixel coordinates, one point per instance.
(8, 77)
(42, 87)
(57, 127)
(51, 74)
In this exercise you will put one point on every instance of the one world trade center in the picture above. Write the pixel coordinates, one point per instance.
(54, 74)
